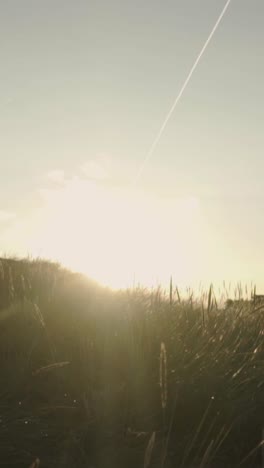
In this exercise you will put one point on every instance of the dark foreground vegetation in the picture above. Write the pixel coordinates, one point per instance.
(91, 378)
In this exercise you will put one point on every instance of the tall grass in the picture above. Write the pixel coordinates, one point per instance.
(135, 378)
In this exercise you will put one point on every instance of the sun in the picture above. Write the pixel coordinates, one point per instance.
(117, 235)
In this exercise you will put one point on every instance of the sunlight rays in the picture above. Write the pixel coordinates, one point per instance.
(115, 235)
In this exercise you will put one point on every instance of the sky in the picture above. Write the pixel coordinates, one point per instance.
(85, 87)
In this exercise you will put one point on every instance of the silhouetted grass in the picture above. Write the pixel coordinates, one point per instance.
(92, 378)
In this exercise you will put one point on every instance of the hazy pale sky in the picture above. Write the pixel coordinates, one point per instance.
(85, 86)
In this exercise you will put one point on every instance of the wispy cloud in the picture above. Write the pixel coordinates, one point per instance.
(6, 216)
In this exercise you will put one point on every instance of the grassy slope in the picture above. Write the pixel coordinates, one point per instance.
(80, 375)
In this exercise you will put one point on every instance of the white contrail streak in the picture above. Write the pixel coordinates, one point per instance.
(162, 128)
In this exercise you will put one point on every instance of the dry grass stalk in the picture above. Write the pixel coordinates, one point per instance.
(149, 450)
(50, 367)
(171, 291)
(206, 454)
(38, 314)
(209, 305)
(11, 289)
(252, 452)
(35, 464)
(178, 294)
(163, 375)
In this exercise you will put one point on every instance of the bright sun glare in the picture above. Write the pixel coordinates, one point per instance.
(116, 235)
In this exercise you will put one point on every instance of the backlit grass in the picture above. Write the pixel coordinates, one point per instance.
(94, 378)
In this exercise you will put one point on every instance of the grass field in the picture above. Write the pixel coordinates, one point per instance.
(102, 379)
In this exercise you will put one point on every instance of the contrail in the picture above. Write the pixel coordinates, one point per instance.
(162, 128)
